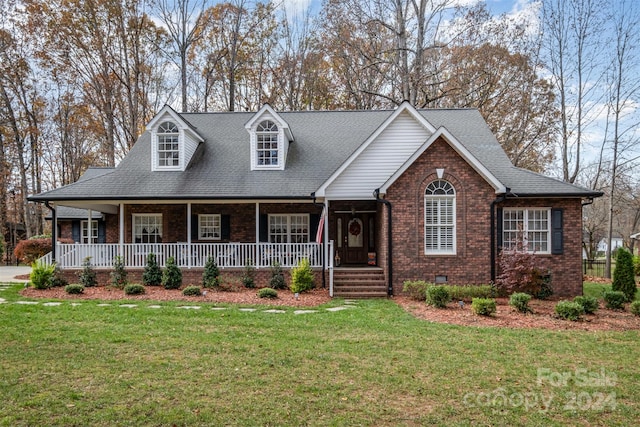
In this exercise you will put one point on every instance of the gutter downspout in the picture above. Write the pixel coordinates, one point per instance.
(376, 194)
(324, 280)
(54, 226)
(501, 198)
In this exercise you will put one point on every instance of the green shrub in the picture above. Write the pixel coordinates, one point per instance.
(74, 289)
(211, 274)
(590, 304)
(483, 306)
(192, 291)
(569, 310)
(248, 276)
(88, 276)
(134, 289)
(623, 276)
(468, 292)
(171, 276)
(268, 293)
(438, 296)
(614, 299)
(277, 278)
(636, 264)
(634, 307)
(58, 280)
(301, 277)
(42, 275)
(520, 301)
(119, 274)
(544, 290)
(416, 290)
(152, 275)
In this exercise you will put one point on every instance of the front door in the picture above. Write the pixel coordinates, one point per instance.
(355, 237)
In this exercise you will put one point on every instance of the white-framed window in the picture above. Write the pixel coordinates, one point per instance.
(532, 226)
(440, 218)
(209, 227)
(84, 227)
(147, 228)
(267, 136)
(168, 145)
(289, 228)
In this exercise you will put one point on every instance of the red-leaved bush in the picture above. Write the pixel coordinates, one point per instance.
(519, 271)
(28, 251)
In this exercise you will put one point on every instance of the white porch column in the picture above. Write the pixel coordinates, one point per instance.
(121, 232)
(89, 228)
(326, 233)
(257, 223)
(189, 257)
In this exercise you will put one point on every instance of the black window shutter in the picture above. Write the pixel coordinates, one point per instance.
(557, 235)
(264, 228)
(194, 227)
(499, 227)
(75, 231)
(313, 226)
(102, 232)
(225, 227)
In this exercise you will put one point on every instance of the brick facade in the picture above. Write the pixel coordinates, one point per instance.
(471, 263)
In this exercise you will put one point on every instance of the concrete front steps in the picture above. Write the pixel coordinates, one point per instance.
(365, 282)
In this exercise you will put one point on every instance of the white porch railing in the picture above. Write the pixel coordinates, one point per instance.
(227, 255)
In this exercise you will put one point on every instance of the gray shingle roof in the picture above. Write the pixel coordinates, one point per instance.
(221, 168)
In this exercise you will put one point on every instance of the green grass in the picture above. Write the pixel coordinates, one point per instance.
(593, 289)
(372, 365)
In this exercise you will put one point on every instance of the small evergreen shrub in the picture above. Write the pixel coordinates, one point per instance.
(468, 292)
(623, 276)
(171, 276)
(267, 293)
(301, 277)
(636, 264)
(74, 289)
(634, 308)
(211, 274)
(134, 289)
(483, 306)
(545, 290)
(42, 275)
(88, 275)
(192, 291)
(58, 280)
(614, 300)
(569, 310)
(277, 278)
(590, 304)
(520, 301)
(119, 274)
(416, 290)
(438, 296)
(152, 275)
(248, 277)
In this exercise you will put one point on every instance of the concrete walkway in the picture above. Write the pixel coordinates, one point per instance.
(8, 274)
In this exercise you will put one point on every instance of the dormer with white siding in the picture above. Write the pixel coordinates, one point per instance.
(173, 141)
(270, 137)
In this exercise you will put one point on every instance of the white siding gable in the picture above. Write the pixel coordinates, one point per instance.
(188, 140)
(380, 159)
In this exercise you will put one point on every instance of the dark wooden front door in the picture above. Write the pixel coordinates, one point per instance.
(355, 237)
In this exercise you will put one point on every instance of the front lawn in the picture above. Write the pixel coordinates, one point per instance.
(372, 365)
(593, 289)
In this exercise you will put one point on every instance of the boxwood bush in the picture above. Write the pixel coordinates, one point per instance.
(267, 293)
(634, 307)
(590, 304)
(569, 310)
(483, 306)
(75, 288)
(614, 299)
(468, 292)
(438, 296)
(134, 289)
(520, 301)
(192, 291)
(416, 289)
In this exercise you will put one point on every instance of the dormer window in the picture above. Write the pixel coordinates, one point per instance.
(168, 147)
(267, 136)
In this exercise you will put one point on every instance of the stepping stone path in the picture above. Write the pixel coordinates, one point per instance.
(347, 305)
